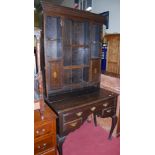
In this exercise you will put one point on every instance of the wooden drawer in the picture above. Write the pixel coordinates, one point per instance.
(43, 129)
(75, 114)
(70, 126)
(48, 152)
(108, 112)
(106, 104)
(44, 143)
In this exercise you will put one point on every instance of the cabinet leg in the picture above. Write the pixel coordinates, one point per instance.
(60, 143)
(95, 122)
(114, 121)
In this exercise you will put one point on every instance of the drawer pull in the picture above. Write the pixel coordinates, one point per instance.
(37, 132)
(93, 108)
(43, 130)
(105, 104)
(79, 113)
(73, 124)
(108, 111)
(43, 147)
(38, 146)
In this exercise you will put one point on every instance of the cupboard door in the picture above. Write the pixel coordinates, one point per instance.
(54, 75)
(95, 70)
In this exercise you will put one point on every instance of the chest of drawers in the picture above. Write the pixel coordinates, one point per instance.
(45, 133)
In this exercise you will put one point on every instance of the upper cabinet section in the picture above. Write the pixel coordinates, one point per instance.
(72, 47)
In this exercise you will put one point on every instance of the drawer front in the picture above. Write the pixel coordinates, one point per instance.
(45, 143)
(44, 129)
(48, 152)
(106, 104)
(75, 114)
(108, 112)
(72, 125)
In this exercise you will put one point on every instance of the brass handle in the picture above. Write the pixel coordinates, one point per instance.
(93, 108)
(73, 124)
(105, 104)
(79, 113)
(108, 111)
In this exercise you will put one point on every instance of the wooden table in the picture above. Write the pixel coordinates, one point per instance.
(74, 108)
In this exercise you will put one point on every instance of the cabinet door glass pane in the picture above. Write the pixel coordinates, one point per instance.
(67, 76)
(86, 74)
(67, 55)
(86, 56)
(86, 33)
(95, 50)
(76, 76)
(67, 32)
(53, 28)
(78, 33)
(95, 41)
(77, 56)
(53, 48)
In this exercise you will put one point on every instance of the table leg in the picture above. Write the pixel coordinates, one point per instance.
(60, 143)
(95, 122)
(114, 121)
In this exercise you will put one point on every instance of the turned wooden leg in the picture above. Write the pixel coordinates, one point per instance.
(114, 121)
(95, 122)
(60, 143)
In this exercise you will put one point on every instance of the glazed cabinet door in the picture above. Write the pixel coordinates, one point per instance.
(53, 52)
(95, 69)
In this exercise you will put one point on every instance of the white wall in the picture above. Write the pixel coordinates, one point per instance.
(99, 6)
(68, 3)
(113, 6)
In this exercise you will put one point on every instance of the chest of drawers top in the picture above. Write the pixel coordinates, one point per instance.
(69, 101)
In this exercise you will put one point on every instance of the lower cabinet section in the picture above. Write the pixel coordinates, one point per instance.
(45, 133)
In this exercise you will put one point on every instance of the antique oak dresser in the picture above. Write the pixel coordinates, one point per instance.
(71, 69)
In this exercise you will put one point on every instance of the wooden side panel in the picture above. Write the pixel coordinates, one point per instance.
(95, 70)
(113, 54)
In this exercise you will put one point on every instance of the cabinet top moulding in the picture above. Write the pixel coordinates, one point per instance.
(58, 10)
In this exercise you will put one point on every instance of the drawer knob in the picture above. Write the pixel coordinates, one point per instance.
(108, 111)
(38, 146)
(79, 113)
(44, 144)
(37, 132)
(73, 124)
(43, 130)
(105, 104)
(93, 108)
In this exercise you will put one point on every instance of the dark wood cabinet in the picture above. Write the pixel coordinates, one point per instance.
(72, 50)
